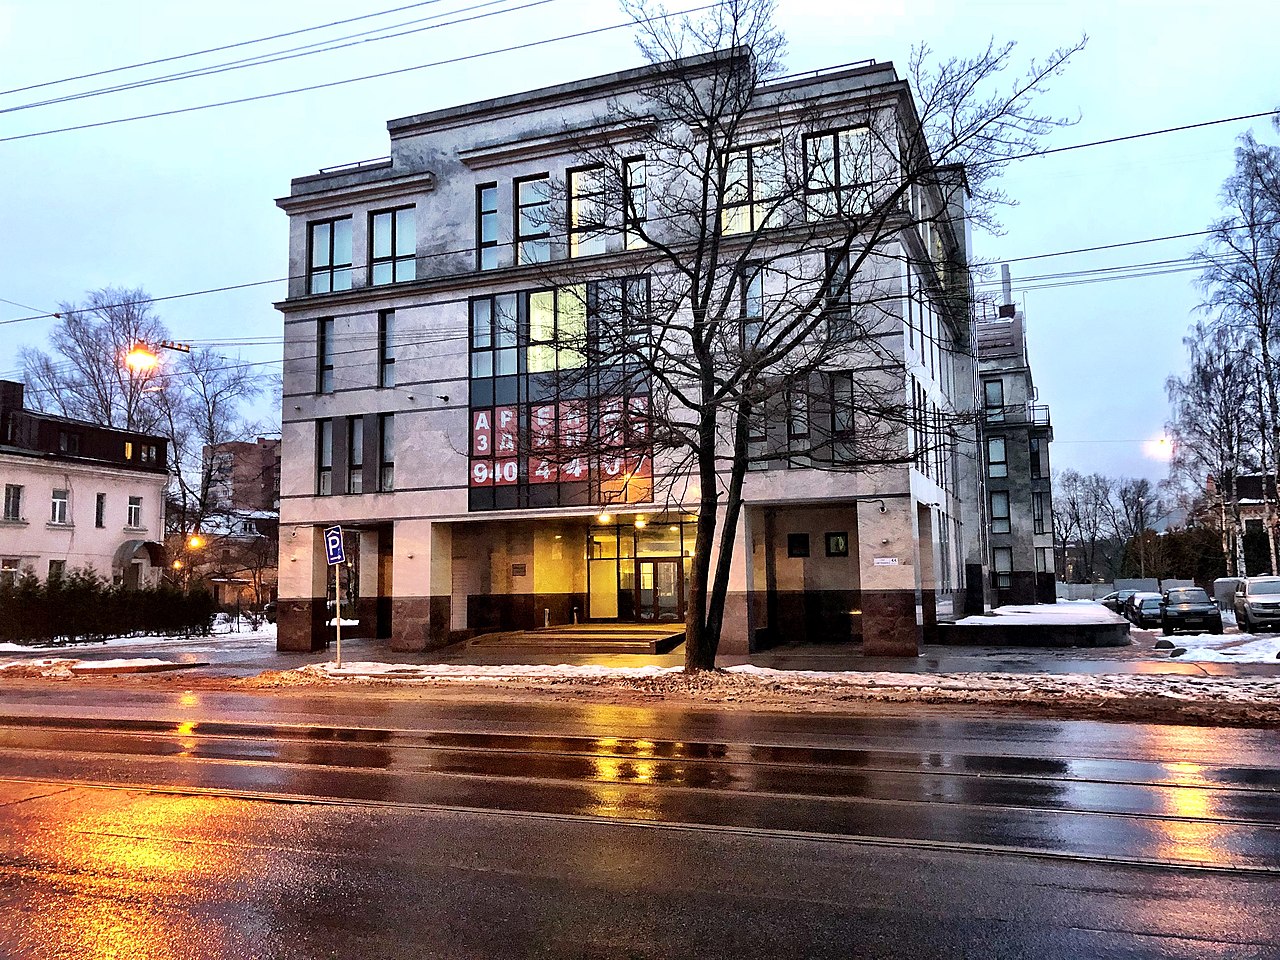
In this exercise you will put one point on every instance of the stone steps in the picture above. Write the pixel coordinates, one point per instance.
(587, 639)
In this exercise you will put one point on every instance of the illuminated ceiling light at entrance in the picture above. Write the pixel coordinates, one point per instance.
(604, 518)
(674, 528)
(641, 523)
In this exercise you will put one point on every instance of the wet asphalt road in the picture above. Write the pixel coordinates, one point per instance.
(147, 824)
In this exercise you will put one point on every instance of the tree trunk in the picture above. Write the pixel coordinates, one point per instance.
(699, 642)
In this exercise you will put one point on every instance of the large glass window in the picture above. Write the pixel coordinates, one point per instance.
(12, 501)
(635, 200)
(993, 400)
(135, 512)
(1038, 521)
(999, 511)
(387, 348)
(355, 454)
(60, 507)
(487, 226)
(386, 452)
(753, 183)
(330, 259)
(324, 457)
(533, 219)
(1039, 450)
(842, 405)
(324, 355)
(392, 246)
(1002, 566)
(494, 340)
(836, 297)
(838, 170)
(587, 228)
(997, 458)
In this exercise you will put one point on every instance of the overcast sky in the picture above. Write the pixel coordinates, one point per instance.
(185, 203)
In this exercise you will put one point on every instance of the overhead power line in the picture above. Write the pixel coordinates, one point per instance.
(219, 49)
(293, 53)
(463, 58)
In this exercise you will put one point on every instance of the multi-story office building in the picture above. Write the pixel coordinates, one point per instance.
(423, 289)
(244, 475)
(1016, 434)
(79, 495)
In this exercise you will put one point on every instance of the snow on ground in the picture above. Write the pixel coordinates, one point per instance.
(266, 632)
(1046, 614)
(756, 683)
(1230, 648)
(69, 667)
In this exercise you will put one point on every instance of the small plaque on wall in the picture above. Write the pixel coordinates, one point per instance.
(885, 561)
(518, 570)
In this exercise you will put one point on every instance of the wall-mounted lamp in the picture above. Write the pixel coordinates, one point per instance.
(442, 396)
(883, 508)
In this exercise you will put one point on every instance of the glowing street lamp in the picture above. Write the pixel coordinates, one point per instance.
(195, 542)
(140, 359)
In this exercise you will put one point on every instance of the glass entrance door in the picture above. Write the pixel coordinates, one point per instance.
(659, 591)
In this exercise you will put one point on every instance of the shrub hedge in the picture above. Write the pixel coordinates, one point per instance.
(81, 605)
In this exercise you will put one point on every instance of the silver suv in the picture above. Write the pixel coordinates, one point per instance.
(1257, 604)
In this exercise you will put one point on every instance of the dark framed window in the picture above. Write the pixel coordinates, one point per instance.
(324, 457)
(797, 545)
(1002, 566)
(392, 246)
(1038, 524)
(100, 511)
(135, 512)
(836, 303)
(355, 454)
(533, 219)
(68, 442)
(842, 405)
(329, 261)
(487, 226)
(753, 183)
(1039, 450)
(997, 458)
(797, 400)
(635, 309)
(751, 304)
(838, 544)
(57, 569)
(12, 501)
(837, 172)
(324, 355)
(495, 336)
(635, 201)
(993, 400)
(386, 348)
(587, 228)
(1000, 511)
(386, 452)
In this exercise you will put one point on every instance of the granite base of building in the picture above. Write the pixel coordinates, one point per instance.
(419, 623)
(1034, 635)
(889, 624)
(300, 625)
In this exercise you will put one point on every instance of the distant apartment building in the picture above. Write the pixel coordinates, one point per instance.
(244, 475)
(79, 495)
(1016, 433)
(420, 383)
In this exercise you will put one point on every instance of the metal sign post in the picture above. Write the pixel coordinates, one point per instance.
(334, 553)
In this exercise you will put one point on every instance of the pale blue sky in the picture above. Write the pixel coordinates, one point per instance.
(185, 203)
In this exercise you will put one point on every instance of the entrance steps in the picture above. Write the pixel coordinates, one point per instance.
(642, 638)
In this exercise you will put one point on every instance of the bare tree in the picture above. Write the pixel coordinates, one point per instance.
(84, 375)
(772, 251)
(1241, 282)
(1082, 517)
(1214, 436)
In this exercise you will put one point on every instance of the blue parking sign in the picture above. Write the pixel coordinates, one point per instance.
(333, 546)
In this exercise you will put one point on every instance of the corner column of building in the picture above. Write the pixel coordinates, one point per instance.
(421, 584)
(736, 637)
(303, 577)
(887, 573)
(926, 575)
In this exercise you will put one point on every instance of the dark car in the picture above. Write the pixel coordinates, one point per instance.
(1115, 601)
(1257, 604)
(1143, 609)
(269, 611)
(1189, 608)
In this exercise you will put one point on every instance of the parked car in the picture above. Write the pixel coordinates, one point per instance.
(1189, 608)
(269, 611)
(1258, 604)
(1143, 609)
(1115, 601)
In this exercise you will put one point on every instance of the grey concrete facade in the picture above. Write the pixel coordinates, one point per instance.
(1016, 433)
(440, 554)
